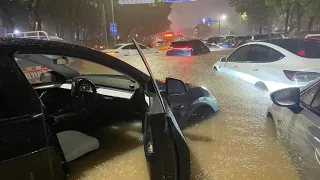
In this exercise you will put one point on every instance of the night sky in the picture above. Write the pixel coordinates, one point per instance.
(187, 14)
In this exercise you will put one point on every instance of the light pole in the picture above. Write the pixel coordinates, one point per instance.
(223, 18)
(115, 37)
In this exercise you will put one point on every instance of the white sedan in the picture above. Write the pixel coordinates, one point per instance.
(128, 50)
(274, 64)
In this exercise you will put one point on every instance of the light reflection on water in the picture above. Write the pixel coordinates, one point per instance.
(238, 142)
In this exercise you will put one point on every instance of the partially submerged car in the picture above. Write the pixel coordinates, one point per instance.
(44, 126)
(296, 116)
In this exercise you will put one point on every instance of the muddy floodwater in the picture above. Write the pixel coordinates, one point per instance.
(238, 142)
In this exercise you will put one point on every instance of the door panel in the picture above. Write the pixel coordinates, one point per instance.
(166, 151)
(237, 63)
(27, 141)
(305, 143)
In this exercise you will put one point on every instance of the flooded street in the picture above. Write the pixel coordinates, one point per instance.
(238, 142)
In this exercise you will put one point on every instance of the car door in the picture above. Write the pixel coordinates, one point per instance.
(236, 61)
(165, 147)
(302, 134)
(28, 145)
(262, 64)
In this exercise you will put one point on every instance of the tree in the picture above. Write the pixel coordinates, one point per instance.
(145, 19)
(8, 8)
(312, 10)
(256, 11)
(33, 9)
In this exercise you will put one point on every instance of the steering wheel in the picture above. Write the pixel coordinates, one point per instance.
(83, 93)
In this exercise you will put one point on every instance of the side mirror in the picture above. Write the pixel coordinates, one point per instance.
(175, 87)
(223, 59)
(289, 97)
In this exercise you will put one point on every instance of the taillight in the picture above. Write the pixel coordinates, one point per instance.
(95, 46)
(302, 52)
(301, 76)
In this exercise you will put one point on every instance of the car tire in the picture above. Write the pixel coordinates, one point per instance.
(199, 114)
(215, 69)
(261, 86)
(271, 125)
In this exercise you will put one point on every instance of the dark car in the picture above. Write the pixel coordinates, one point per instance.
(213, 41)
(241, 40)
(187, 48)
(44, 124)
(296, 115)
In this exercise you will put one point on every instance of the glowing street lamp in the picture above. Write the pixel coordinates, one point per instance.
(222, 18)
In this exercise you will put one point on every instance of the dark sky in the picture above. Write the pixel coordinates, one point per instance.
(187, 14)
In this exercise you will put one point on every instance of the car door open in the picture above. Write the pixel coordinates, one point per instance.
(166, 151)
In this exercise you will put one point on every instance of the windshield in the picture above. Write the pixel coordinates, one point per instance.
(228, 62)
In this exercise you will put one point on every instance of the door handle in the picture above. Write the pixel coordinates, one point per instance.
(255, 69)
(235, 66)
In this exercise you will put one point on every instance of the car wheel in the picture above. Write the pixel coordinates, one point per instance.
(271, 126)
(261, 86)
(215, 69)
(199, 114)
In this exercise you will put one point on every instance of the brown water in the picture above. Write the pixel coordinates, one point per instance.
(238, 142)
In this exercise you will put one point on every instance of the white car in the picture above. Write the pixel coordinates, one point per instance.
(313, 36)
(274, 64)
(296, 116)
(128, 50)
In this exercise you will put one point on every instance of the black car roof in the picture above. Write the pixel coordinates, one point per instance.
(35, 46)
(281, 41)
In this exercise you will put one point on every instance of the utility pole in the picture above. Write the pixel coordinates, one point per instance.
(104, 26)
(115, 36)
(219, 27)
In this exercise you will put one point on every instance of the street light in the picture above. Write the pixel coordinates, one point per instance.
(222, 18)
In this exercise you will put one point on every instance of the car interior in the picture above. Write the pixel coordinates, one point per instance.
(85, 118)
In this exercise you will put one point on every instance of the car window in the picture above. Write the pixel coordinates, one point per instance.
(181, 44)
(240, 54)
(307, 96)
(261, 53)
(99, 74)
(316, 102)
(131, 46)
(114, 47)
(18, 102)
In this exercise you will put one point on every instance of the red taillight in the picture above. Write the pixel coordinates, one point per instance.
(302, 52)
(301, 76)
(182, 48)
(315, 38)
(95, 46)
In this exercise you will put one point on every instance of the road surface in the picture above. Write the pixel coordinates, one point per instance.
(238, 142)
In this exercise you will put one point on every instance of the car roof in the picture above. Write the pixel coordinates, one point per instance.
(187, 40)
(36, 46)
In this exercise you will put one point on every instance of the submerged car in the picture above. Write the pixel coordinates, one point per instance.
(274, 64)
(296, 116)
(128, 49)
(47, 122)
(187, 47)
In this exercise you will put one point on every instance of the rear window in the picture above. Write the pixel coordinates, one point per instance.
(303, 48)
(115, 47)
(181, 44)
(267, 36)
